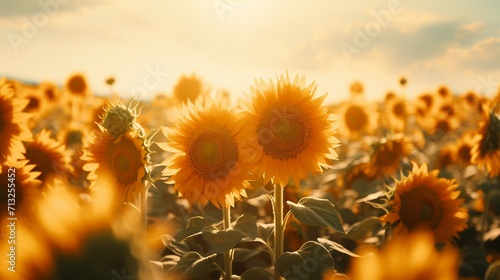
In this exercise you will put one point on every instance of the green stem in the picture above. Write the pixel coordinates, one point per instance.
(484, 228)
(278, 227)
(228, 255)
(144, 207)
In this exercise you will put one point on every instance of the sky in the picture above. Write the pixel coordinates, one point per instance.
(148, 45)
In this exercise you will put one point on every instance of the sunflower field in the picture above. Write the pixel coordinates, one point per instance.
(278, 184)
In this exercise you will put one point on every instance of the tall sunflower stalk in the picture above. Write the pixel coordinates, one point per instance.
(293, 136)
(119, 154)
(210, 159)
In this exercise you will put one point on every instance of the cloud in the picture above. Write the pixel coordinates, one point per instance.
(484, 55)
(29, 7)
(466, 33)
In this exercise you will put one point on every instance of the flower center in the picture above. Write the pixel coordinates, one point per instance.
(464, 152)
(34, 104)
(213, 153)
(491, 138)
(389, 154)
(420, 207)
(283, 132)
(399, 109)
(2, 121)
(125, 160)
(50, 94)
(355, 117)
(76, 84)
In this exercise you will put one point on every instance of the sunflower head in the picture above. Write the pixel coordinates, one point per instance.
(357, 119)
(423, 201)
(470, 99)
(13, 124)
(188, 89)
(77, 85)
(464, 148)
(118, 119)
(444, 92)
(26, 188)
(403, 81)
(120, 162)
(294, 132)
(409, 257)
(447, 156)
(49, 157)
(356, 88)
(395, 113)
(388, 154)
(486, 149)
(211, 154)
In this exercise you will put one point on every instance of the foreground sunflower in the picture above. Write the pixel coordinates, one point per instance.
(294, 133)
(211, 154)
(26, 188)
(49, 157)
(412, 257)
(117, 163)
(486, 150)
(13, 124)
(423, 201)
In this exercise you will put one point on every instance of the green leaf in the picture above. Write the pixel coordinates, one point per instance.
(334, 246)
(247, 225)
(225, 239)
(194, 226)
(309, 262)
(364, 229)
(257, 273)
(178, 248)
(222, 240)
(194, 265)
(317, 212)
(265, 234)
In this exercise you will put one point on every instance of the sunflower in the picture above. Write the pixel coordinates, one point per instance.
(390, 96)
(356, 88)
(49, 157)
(388, 155)
(396, 112)
(470, 99)
(403, 81)
(20, 177)
(294, 134)
(51, 91)
(188, 88)
(411, 257)
(77, 86)
(447, 156)
(464, 148)
(118, 118)
(13, 126)
(444, 93)
(121, 160)
(486, 150)
(441, 124)
(211, 156)
(37, 102)
(358, 119)
(423, 201)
